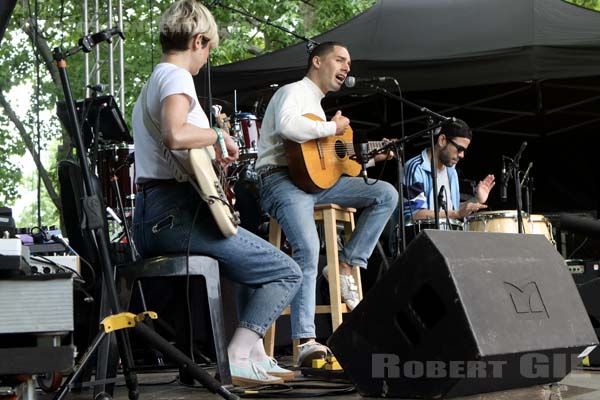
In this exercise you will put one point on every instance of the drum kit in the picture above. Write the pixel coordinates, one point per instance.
(504, 221)
(116, 172)
(242, 176)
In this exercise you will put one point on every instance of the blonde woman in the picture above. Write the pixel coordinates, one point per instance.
(171, 218)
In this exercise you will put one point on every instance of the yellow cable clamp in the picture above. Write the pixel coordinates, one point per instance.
(115, 322)
(150, 314)
(125, 320)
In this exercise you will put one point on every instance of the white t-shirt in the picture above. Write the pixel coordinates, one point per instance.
(166, 79)
(442, 180)
(284, 120)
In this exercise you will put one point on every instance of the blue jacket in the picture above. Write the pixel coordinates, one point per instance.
(417, 180)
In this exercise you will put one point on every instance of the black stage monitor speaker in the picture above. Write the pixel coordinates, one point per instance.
(463, 313)
(588, 284)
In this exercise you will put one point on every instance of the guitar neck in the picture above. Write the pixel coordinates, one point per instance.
(375, 145)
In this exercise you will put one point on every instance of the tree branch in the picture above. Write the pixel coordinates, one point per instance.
(31, 148)
(43, 50)
(308, 3)
(254, 50)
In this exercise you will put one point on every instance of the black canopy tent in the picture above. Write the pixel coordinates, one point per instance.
(436, 44)
(513, 69)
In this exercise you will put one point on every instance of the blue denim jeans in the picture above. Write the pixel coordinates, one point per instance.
(293, 209)
(163, 225)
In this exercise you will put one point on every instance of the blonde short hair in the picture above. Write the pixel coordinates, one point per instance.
(183, 20)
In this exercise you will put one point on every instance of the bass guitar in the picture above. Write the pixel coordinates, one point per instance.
(211, 183)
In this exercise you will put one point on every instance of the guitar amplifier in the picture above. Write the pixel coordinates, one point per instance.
(36, 304)
(586, 274)
(583, 271)
(7, 223)
(14, 257)
(54, 264)
(36, 312)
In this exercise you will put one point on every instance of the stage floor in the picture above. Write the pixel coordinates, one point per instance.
(579, 385)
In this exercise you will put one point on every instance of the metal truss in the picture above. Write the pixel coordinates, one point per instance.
(105, 66)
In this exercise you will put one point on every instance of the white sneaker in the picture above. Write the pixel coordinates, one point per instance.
(311, 351)
(251, 375)
(348, 289)
(272, 368)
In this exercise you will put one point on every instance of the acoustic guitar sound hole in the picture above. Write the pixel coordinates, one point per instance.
(340, 149)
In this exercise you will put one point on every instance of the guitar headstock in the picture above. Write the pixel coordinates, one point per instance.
(223, 122)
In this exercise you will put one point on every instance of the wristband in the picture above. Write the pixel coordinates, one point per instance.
(221, 141)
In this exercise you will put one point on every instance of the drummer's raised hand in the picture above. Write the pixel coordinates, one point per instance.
(482, 191)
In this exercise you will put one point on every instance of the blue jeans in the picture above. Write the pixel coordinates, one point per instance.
(293, 209)
(163, 225)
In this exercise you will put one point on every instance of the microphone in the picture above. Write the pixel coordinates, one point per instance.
(351, 81)
(96, 89)
(89, 41)
(361, 150)
(503, 182)
(518, 156)
(526, 174)
(442, 199)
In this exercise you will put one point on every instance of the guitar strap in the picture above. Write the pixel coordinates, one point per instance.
(175, 164)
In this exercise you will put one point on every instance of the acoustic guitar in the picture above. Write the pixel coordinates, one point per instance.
(318, 164)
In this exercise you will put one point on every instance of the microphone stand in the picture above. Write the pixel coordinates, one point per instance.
(429, 131)
(399, 231)
(527, 182)
(518, 196)
(310, 44)
(444, 206)
(513, 170)
(433, 166)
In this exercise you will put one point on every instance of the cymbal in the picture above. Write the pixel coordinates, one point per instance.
(216, 100)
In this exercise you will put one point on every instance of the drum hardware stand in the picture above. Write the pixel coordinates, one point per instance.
(527, 182)
(115, 182)
(513, 169)
(93, 221)
(236, 127)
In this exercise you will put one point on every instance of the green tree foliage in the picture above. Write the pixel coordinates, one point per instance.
(25, 56)
(591, 4)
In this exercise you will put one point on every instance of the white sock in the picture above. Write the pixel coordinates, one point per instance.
(257, 353)
(239, 348)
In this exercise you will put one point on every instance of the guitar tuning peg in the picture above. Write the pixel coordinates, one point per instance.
(216, 110)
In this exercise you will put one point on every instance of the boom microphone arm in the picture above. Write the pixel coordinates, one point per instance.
(310, 44)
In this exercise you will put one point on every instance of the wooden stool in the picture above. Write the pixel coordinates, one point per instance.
(329, 215)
